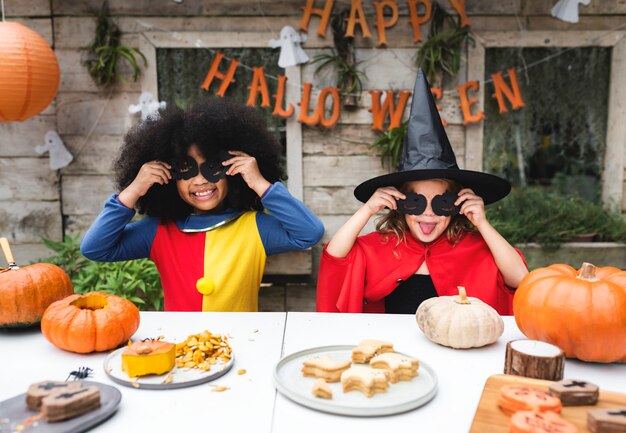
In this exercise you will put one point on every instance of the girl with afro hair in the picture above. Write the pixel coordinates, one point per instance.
(203, 178)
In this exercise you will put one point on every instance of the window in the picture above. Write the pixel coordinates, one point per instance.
(602, 44)
(558, 139)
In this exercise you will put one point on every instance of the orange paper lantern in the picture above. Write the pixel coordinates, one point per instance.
(29, 73)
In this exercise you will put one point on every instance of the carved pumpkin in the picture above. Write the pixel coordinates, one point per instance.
(458, 321)
(93, 322)
(26, 292)
(582, 312)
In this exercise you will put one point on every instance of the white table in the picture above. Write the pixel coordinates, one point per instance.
(252, 404)
(462, 373)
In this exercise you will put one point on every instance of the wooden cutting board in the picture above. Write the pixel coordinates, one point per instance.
(490, 419)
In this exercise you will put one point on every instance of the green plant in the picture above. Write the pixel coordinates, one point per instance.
(533, 214)
(349, 77)
(135, 280)
(106, 51)
(390, 144)
(442, 50)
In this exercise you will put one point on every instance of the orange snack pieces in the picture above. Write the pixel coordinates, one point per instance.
(515, 398)
(540, 422)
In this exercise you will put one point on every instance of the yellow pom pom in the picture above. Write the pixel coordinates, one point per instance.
(206, 286)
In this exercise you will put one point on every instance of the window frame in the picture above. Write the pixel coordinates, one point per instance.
(150, 41)
(612, 178)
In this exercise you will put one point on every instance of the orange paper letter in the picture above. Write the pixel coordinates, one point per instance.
(280, 95)
(259, 84)
(395, 113)
(466, 103)
(459, 6)
(357, 16)
(226, 78)
(512, 93)
(381, 24)
(304, 116)
(416, 19)
(334, 92)
(323, 13)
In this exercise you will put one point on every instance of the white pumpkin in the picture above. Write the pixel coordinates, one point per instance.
(458, 321)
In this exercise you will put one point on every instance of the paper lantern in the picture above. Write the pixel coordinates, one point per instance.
(29, 73)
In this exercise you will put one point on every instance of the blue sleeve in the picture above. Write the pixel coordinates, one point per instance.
(113, 238)
(290, 225)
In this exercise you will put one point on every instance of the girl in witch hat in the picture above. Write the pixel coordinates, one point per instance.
(434, 238)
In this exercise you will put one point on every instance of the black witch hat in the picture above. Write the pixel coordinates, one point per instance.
(427, 154)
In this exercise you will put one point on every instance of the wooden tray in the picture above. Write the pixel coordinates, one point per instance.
(490, 419)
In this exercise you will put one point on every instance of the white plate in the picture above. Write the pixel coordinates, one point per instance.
(399, 397)
(180, 377)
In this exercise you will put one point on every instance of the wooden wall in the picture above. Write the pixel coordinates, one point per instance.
(36, 202)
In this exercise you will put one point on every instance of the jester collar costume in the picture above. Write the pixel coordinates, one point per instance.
(208, 262)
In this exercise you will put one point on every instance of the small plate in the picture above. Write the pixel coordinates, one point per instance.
(14, 412)
(180, 377)
(399, 397)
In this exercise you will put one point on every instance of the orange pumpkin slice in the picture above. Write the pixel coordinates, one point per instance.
(515, 398)
(148, 357)
(540, 422)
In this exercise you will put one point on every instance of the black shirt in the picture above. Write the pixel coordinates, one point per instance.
(410, 294)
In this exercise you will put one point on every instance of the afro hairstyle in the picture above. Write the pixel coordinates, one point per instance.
(213, 125)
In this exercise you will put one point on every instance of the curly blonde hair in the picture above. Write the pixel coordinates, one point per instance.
(393, 222)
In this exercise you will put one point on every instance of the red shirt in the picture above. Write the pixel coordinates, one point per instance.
(359, 282)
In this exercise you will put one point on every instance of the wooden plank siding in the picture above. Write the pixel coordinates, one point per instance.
(36, 202)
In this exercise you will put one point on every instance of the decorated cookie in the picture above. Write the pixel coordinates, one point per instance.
(37, 391)
(366, 380)
(540, 422)
(575, 392)
(605, 420)
(368, 349)
(324, 367)
(515, 398)
(62, 405)
(321, 389)
(400, 367)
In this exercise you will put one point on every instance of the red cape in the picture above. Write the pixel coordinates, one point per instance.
(359, 282)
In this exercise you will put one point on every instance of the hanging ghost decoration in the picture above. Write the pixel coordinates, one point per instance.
(291, 53)
(147, 105)
(567, 10)
(59, 155)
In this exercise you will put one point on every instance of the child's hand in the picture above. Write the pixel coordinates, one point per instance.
(150, 173)
(473, 207)
(384, 197)
(247, 167)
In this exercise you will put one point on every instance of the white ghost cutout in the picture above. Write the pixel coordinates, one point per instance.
(291, 53)
(147, 105)
(567, 10)
(59, 155)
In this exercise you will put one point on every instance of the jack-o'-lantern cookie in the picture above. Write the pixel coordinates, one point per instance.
(540, 422)
(515, 398)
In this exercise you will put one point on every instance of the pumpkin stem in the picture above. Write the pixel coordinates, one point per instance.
(462, 299)
(587, 272)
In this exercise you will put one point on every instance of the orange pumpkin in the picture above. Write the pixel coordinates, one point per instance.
(93, 322)
(582, 312)
(26, 292)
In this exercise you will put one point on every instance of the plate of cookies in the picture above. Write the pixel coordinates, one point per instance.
(158, 364)
(370, 379)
